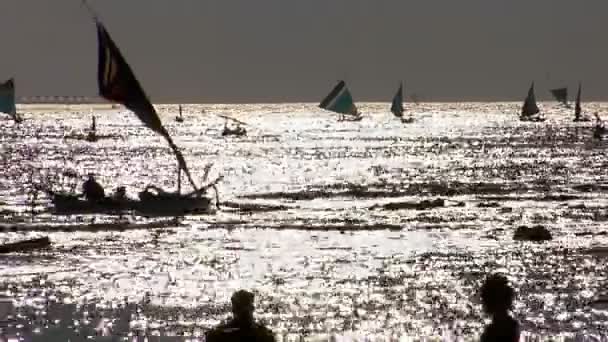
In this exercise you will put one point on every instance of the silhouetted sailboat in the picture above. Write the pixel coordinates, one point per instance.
(561, 96)
(7, 100)
(530, 111)
(577, 107)
(180, 118)
(599, 129)
(92, 135)
(236, 131)
(397, 106)
(340, 101)
(117, 83)
(415, 98)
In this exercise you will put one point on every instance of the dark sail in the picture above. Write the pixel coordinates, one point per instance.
(577, 107)
(340, 101)
(117, 83)
(7, 99)
(530, 108)
(561, 95)
(397, 105)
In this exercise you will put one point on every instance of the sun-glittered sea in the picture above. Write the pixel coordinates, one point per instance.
(372, 229)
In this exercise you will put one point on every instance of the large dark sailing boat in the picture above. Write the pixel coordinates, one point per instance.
(561, 96)
(397, 106)
(341, 101)
(578, 116)
(530, 110)
(7, 100)
(117, 83)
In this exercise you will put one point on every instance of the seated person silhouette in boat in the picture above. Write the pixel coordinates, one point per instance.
(92, 190)
(242, 327)
(497, 299)
(120, 194)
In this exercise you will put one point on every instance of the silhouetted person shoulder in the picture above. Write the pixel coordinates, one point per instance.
(92, 190)
(497, 299)
(242, 327)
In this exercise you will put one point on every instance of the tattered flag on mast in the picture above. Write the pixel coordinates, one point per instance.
(117, 82)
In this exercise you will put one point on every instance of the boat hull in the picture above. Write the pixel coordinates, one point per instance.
(172, 205)
(89, 137)
(24, 246)
(582, 119)
(532, 118)
(599, 132)
(148, 205)
(68, 204)
(234, 132)
(351, 118)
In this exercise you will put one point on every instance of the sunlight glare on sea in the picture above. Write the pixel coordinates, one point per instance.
(372, 229)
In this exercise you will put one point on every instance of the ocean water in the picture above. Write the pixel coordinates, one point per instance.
(333, 261)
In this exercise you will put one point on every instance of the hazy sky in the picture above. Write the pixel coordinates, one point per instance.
(295, 50)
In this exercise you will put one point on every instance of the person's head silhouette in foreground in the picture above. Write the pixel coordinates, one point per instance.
(497, 299)
(242, 307)
(242, 327)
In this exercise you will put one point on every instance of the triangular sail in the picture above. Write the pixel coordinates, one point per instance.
(577, 107)
(397, 105)
(117, 83)
(530, 108)
(340, 101)
(7, 99)
(561, 95)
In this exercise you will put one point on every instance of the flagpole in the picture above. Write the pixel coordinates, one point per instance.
(91, 11)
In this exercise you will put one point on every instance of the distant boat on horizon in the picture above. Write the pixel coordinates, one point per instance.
(92, 135)
(341, 101)
(530, 110)
(7, 100)
(397, 106)
(578, 117)
(179, 118)
(238, 131)
(561, 96)
(415, 98)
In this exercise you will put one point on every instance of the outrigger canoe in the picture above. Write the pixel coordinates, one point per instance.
(152, 202)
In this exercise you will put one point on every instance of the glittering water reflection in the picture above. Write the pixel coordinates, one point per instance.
(336, 259)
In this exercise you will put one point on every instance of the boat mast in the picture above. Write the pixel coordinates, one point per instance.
(93, 124)
(179, 180)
